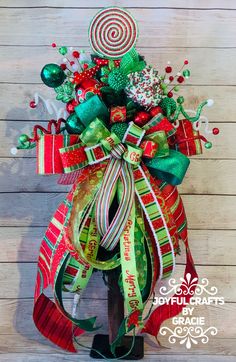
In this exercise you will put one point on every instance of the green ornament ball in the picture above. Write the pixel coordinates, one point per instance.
(117, 80)
(63, 50)
(52, 75)
(119, 129)
(208, 145)
(186, 73)
(168, 106)
(23, 138)
(73, 124)
(180, 100)
(163, 86)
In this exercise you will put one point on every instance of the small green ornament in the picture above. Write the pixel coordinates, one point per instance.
(52, 75)
(186, 73)
(208, 145)
(168, 105)
(73, 124)
(63, 50)
(176, 88)
(163, 86)
(180, 100)
(23, 138)
(117, 80)
(119, 129)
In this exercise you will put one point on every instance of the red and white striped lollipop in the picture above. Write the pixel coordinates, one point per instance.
(113, 32)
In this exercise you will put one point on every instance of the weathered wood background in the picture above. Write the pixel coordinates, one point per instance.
(202, 31)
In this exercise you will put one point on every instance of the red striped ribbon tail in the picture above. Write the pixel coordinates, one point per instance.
(53, 325)
(68, 178)
(179, 301)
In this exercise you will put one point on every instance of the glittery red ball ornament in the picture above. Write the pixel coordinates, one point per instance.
(63, 66)
(168, 69)
(32, 104)
(215, 131)
(71, 106)
(154, 111)
(180, 79)
(76, 54)
(142, 118)
(170, 94)
(171, 78)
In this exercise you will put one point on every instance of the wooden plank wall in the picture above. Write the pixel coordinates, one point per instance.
(202, 31)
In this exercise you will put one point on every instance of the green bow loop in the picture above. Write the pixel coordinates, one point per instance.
(160, 139)
(133, 155)
(99, 144)
(168, 165)
(131, 63)
(171, 169)
(94, 133)
(111, 141)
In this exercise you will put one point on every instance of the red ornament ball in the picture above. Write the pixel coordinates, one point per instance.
(85, 66)
(154, 111)
(180, 79)
(142, 118)
(215, 131)
(168, 69)
(171, 78)
(63, 66)
(186, 61)
(71, 106)
(32, 104)
(170, 95)
(76, 54)
(54, 45)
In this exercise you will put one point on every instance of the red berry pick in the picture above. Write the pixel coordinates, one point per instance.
(168, 69)
(180, 79)
(32, 104)
(215, 131)
(76, 54)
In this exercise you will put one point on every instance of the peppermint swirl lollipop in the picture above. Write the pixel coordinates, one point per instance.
(112, 32)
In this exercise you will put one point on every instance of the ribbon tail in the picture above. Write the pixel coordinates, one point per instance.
(156, 221)
(47, 318)
(57, 328)
(166, 311)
